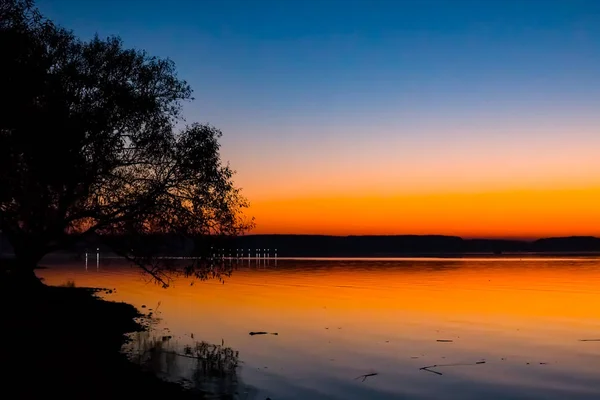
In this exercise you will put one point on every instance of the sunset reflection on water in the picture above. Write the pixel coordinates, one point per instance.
(531, 324)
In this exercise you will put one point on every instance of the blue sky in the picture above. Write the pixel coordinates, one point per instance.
(392, 92)
(324, 62)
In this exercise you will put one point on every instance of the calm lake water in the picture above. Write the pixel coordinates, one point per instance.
(496, 328)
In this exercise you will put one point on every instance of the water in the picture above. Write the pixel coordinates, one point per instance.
(519, 329)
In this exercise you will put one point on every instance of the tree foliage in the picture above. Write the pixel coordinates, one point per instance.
(89, 145)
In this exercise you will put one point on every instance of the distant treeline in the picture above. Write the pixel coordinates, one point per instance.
(351, 246)
(390, 246)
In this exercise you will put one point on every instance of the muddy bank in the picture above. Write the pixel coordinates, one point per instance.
(65, 342)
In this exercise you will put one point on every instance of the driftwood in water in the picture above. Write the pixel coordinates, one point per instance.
(428, 368)
(263, 333)
(365, 376)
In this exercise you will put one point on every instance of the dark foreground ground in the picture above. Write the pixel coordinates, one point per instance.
(64, 342)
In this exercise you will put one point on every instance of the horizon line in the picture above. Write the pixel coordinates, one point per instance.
(511, 238)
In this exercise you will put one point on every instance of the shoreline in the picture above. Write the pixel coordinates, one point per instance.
(67, 341)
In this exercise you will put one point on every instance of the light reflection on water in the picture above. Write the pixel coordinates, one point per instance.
(338, 320)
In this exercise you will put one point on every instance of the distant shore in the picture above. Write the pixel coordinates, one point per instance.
(70, 256)
(348, 246)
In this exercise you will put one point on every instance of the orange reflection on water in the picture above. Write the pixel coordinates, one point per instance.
(388, 316)
(524, 290)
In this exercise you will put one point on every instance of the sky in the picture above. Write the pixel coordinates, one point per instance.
(469, 118)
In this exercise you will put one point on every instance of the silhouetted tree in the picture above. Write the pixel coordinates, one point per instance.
(88, 146)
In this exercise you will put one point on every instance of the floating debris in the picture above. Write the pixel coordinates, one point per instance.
(428, 368)
(444, 340)
(589, 340)
(365, 376)
(263, 333)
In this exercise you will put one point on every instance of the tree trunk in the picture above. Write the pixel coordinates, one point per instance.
(22, 274)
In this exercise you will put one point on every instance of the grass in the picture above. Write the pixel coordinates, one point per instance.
(69, 284)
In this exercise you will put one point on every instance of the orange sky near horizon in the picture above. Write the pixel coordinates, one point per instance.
(520, 213)
(516, 180)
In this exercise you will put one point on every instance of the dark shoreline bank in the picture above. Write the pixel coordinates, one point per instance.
(66, 341)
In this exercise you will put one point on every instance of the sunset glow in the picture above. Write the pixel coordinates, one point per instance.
(462, 118)
(516, 213)
(301, 199)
